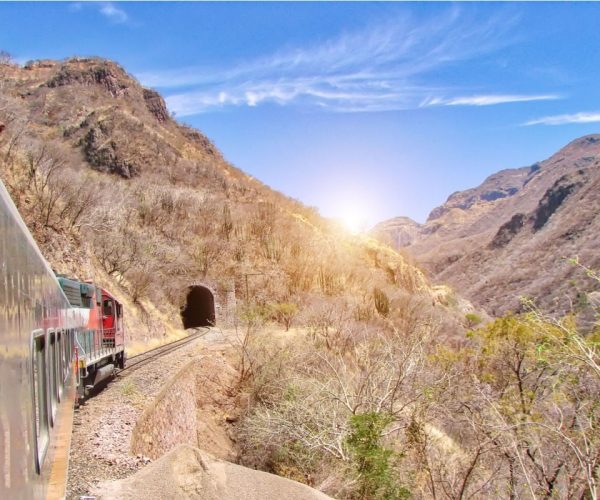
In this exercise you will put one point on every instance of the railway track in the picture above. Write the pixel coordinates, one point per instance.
(139, 360)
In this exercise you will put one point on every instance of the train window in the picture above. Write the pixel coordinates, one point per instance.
(65, 354)
(108, 308)
(70, 346)
(52, 375)
(58, 365)
(40, 395)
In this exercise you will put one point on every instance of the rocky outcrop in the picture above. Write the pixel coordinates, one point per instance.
(40, 63)
(555, 196)
(156, 105)
(105, 150)
(105, 74)
(503, 184)
(547, 206)
(120, 127)
(201, 140)
(508, 230)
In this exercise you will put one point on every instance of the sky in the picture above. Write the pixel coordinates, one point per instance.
(364, 110)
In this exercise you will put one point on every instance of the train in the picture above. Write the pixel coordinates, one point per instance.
(59, 337)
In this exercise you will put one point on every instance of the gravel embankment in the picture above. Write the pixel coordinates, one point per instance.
(104, 424)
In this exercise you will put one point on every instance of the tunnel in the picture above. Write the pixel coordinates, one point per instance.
(199, 309)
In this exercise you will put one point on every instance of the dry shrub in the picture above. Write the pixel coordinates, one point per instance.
(310, 388)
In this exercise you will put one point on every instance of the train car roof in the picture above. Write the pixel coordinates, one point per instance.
(109, 295)
(104, 291)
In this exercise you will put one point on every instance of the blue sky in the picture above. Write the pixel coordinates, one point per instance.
(370, 109)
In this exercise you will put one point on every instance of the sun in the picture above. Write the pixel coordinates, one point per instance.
(353, 219)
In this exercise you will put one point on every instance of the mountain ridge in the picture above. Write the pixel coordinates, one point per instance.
(468, 241)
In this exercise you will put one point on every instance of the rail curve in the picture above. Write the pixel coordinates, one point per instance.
(139, 360)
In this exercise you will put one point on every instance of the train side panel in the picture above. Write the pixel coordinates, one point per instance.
(36, 371)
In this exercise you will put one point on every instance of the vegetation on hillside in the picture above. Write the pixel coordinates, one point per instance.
(381, 409)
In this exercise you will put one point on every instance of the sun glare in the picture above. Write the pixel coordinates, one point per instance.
(353, 219)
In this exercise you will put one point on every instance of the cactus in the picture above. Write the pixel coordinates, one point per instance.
(227, 225)
(272, 248)
(382, 303)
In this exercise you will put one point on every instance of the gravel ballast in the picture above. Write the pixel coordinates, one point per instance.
(103, 426)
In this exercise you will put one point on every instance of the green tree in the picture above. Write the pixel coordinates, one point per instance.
(372, 461)
(472, 320)
(285, 313)
(537, 382)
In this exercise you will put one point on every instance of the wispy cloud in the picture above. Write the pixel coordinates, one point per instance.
(584, 117)
(107, 9)
(113, 13)
(487, 100)
(382, 67)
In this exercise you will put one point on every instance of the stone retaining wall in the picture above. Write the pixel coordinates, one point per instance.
(195, 407)
(171, 420)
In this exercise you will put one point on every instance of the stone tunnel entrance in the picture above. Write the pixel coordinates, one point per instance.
(199, 309)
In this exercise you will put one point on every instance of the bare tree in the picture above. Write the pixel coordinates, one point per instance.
(5, 57)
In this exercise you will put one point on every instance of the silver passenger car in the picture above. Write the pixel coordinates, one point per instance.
(37, 378)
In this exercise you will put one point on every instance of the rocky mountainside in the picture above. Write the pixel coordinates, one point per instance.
(399, 232)
(115, 190)
(512, 235)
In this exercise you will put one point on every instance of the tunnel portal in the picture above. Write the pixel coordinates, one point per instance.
(199, 309)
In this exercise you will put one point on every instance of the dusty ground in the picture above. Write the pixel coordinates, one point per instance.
(103, 426)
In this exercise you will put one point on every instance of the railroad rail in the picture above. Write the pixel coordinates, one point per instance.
(139, 360)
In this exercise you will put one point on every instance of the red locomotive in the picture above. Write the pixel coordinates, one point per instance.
(100, 344)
